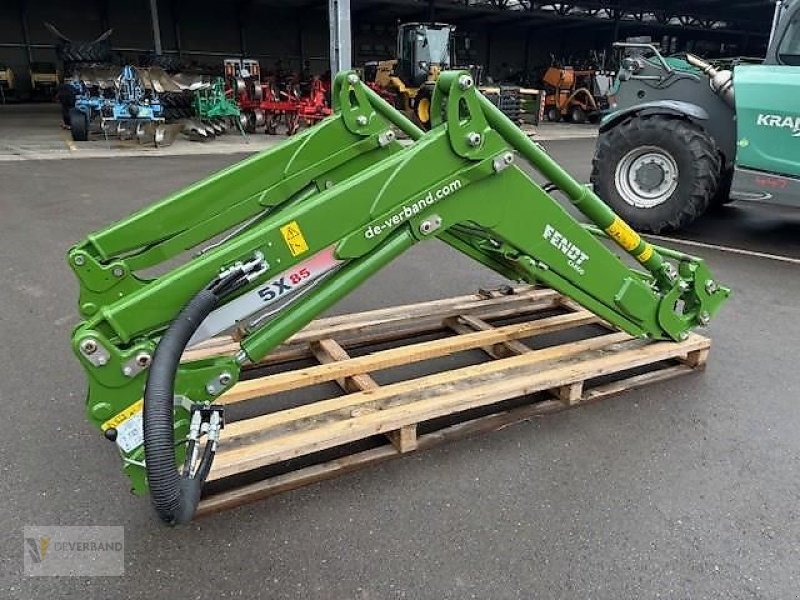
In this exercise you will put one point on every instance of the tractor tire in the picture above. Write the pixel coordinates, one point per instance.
(552, 115)
(657, 173)
(79, 125)
(577, 114)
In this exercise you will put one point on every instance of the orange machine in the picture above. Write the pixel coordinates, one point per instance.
(570, 95)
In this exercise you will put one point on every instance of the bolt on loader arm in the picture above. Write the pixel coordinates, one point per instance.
(291, 231)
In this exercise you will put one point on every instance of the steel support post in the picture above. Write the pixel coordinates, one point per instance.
(341, 46)
(156, 26)
(26, 37)
(175, 12)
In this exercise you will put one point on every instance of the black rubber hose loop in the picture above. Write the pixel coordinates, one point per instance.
(174, 497)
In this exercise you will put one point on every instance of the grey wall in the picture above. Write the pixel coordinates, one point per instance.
(207, 34)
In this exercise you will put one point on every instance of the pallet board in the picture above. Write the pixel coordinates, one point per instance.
(512, 332)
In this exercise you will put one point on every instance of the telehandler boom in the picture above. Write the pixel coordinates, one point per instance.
(282, 236)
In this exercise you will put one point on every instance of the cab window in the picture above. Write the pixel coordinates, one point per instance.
(789, 48)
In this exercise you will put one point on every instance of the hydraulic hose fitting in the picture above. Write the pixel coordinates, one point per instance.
(175, 495)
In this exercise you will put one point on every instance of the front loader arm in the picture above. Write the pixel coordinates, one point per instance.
(107, 261)
(318, 242)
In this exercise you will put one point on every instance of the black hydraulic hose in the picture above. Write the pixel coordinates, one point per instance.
(175, 496)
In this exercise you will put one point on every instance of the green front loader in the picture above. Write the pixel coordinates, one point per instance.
(279, 238)
(684, 135)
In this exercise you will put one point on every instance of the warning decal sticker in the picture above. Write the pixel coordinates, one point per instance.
(294, 239)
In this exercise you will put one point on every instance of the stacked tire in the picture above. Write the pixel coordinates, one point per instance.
(171, 64)
(84, 52)
(177, 105)
(510, 102)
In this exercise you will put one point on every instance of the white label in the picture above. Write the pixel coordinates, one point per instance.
(130, 433)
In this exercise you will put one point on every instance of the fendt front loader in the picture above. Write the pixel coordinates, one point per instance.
(280, 237)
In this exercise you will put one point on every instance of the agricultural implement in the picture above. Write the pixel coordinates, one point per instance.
(44, 80)
(284, 235)
(270, 106)
(7, 82)
(132, 111)
(216, 110)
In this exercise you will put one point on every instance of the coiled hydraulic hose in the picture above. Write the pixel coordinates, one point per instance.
(175, 495)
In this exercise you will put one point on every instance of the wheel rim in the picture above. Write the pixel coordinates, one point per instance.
(646, 176)
(424, 110)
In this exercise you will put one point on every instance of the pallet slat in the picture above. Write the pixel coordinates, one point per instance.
(466, 396)
(261, 490)
(403, 355)
(413, 387)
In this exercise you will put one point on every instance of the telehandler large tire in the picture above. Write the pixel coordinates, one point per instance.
(723, 195)
(658, 173)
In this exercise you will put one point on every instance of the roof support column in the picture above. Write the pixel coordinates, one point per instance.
(341, 45)
(175, 8)
(26, 37)
(156, 26)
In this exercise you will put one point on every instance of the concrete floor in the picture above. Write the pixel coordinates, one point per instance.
(32, 131)
(687, 489)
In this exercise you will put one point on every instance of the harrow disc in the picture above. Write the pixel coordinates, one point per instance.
(247, 120)
(159, 134)
(270, 125)
(292, 123)
(260, 118)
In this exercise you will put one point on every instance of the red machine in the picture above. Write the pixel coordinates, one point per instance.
(269, 105)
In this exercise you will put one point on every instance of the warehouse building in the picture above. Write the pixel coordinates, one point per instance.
(512, 39)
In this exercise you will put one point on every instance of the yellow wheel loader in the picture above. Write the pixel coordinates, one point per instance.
(424, 50)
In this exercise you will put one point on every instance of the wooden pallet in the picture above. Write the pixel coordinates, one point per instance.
(512, 335)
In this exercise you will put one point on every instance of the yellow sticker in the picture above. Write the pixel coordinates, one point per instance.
(645, 254)
(294, 238)
(126, 414)
(625, 236)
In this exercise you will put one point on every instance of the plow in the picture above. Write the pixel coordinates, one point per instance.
(215, 110)
(126, 111)
(276, 240)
